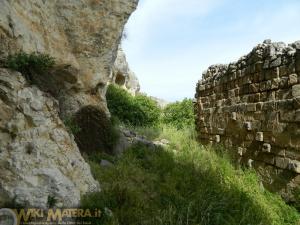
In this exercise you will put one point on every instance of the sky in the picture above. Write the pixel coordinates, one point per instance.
(171, 42)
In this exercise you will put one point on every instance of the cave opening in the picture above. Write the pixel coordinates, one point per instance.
(120, 79)
(96, 132)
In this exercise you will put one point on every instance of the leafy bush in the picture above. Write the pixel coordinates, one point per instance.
(179, 114)
(28, 63)
(191, 185)
(137, 111)
(147, 111)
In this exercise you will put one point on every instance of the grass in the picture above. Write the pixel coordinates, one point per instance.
(182, 184)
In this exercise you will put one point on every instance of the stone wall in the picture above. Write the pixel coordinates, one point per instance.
(252, 107)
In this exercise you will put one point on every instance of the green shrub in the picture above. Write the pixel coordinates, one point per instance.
(147, 111)
(179, 114)
(28, 63)
(183, 184)
(137, 111)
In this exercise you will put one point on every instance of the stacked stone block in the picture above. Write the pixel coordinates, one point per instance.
(252, 107)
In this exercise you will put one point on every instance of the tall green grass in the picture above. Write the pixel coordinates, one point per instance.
(182, 184)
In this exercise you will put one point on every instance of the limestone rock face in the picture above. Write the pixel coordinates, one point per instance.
(123, 76)
(252, 107)
(84, 34)
(39, 159)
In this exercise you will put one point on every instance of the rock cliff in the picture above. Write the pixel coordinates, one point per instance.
(83, 34)
(39, 158)
(123, 76)
(252, 107)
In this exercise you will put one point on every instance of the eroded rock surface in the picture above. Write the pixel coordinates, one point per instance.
(84, 34)
(122, 74)
(252, 107)
(39, 159)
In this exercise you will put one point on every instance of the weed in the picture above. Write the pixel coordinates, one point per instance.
(30, 63)
(51, 202)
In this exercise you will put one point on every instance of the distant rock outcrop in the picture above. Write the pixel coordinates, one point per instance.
(252, 106)
(123, 76)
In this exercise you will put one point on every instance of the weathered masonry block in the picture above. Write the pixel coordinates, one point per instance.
(252, 107)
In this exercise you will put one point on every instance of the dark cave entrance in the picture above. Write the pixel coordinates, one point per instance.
(120, 79)
(96, 133)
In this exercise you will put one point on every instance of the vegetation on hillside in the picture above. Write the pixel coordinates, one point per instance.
(179, 114)
(143, 111)
(137, 110)
(183, 183)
